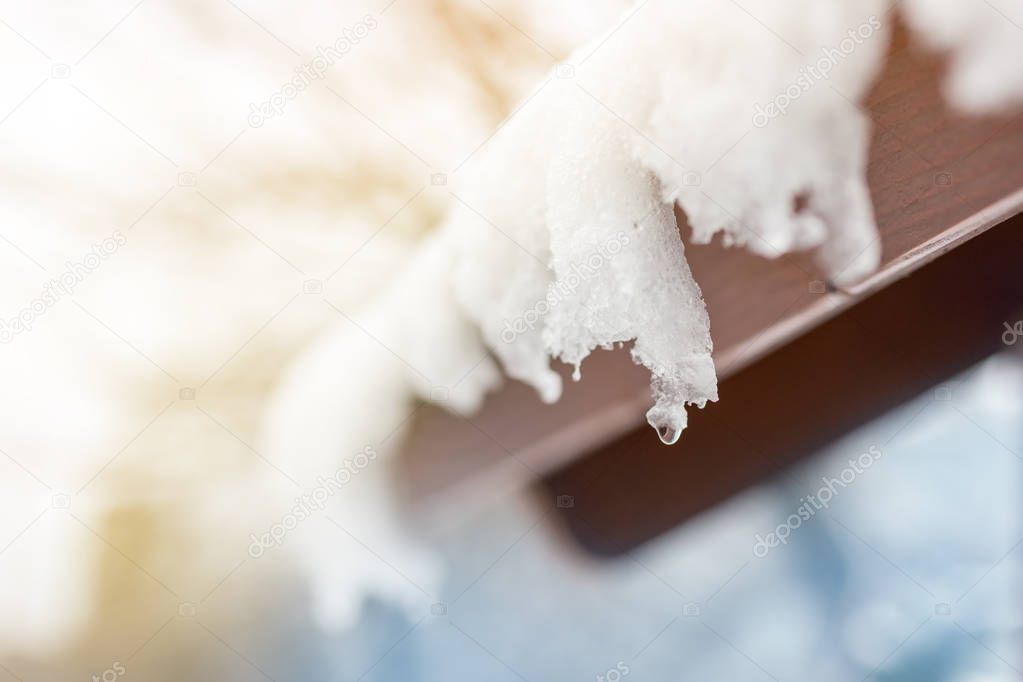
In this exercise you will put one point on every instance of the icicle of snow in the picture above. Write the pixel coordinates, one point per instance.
(664, 109)
(498, 231)
(620, 272)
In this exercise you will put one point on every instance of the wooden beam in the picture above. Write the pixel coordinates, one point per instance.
(937, 179)
(896, 344)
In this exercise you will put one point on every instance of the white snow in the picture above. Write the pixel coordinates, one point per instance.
(561, 237)
(557, 237)
(662, 109)
(983, 38)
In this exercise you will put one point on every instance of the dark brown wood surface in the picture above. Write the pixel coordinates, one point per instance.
(937, 179)
(898, 343)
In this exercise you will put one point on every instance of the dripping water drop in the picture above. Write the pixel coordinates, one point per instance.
(668, 434)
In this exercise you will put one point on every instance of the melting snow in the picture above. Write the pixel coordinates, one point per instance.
(562, 236)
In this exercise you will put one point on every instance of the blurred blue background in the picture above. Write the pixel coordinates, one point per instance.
(912, 572)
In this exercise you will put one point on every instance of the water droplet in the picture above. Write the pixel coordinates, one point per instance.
(669, 435)
(668, 420)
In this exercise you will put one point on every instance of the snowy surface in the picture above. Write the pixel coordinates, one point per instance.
(562, 238)
(662, 109)
(384, 254)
